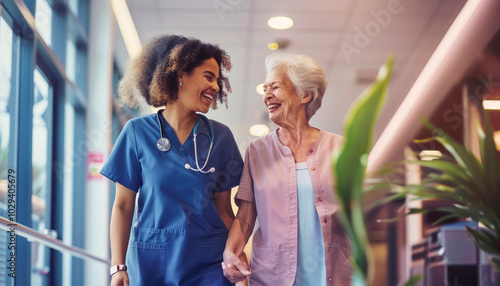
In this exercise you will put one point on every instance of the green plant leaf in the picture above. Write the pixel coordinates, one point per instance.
(462, 212)
(446, 167)
(496, 263)
(464, 158)
(413, 280)
(349, 166)
(384, 200)
(485, 240)
(444, 218)
(490, 162)
(358, 130)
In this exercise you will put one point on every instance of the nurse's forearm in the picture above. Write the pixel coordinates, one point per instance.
(121, 222)
(222, 202)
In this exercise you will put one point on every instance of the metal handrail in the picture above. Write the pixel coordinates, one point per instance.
(33, 235)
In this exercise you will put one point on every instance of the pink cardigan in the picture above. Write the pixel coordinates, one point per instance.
(269, 180)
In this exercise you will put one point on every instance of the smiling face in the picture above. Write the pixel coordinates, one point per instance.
(280, 98)
(199, 87)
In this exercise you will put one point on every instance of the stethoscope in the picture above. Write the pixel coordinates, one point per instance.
(164, 145)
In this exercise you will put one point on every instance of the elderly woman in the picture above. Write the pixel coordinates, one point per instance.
(287, 184)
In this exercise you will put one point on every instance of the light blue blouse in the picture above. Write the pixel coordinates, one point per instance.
(311, 252)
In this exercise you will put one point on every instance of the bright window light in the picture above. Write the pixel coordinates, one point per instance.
(280, 22)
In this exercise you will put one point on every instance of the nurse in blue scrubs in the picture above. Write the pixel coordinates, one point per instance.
(173, 169)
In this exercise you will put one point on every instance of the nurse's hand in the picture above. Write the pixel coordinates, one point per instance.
(120, 278)
(235, 268)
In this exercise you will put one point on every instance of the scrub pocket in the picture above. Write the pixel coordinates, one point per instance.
(211, 253)
(146, 263)
(212, 258)
(264, 266)
(215, 277)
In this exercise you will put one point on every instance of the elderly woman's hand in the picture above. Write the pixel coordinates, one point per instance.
(235, 267)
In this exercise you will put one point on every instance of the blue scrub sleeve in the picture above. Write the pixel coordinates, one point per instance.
(232, 165)
(122, 165)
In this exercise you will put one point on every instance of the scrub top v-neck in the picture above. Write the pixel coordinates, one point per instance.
(177, 236)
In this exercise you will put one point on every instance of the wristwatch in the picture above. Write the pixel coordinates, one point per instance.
(116, 268)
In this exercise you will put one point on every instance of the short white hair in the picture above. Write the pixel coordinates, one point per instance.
(306, 75)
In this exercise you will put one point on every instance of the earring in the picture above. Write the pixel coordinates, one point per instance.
(180, 83)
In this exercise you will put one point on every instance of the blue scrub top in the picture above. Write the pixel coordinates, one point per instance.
(177, 236)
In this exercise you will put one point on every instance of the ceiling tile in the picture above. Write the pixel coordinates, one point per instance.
(217, 6)
(141, 4)
(302, 6)
(204, 19)
(146, 18)
(313, 38)
(377, 23)
(420, 7)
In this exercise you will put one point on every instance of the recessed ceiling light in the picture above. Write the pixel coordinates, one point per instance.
(491, 104)
(273, 46)
(260, 88)
(280, 22)
(259, 130)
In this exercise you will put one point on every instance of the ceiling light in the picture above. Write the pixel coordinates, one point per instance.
(260, 88)
(491, 104)
(273, 46)
(127, 27)
(280, 22)
(429, 155)
(259, 130)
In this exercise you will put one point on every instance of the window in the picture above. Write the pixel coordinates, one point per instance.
(8, 111)
(43, 20)
(73, 6)
(43, 78)
(6, 103)
(41, 173)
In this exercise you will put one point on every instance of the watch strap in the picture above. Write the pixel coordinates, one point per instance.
(116, 268)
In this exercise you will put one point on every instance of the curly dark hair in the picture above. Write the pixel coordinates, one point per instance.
(154, 72)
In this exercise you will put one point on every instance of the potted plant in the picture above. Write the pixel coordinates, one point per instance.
(470, 185)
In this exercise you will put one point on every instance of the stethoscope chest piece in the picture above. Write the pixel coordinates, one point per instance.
(163, 144)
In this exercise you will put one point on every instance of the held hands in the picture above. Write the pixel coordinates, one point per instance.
(120, 278)
(235, 268)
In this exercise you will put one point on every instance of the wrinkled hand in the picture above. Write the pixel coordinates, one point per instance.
(235, 268)
(120, 278)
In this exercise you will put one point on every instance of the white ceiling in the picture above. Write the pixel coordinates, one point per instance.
(320, 29)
